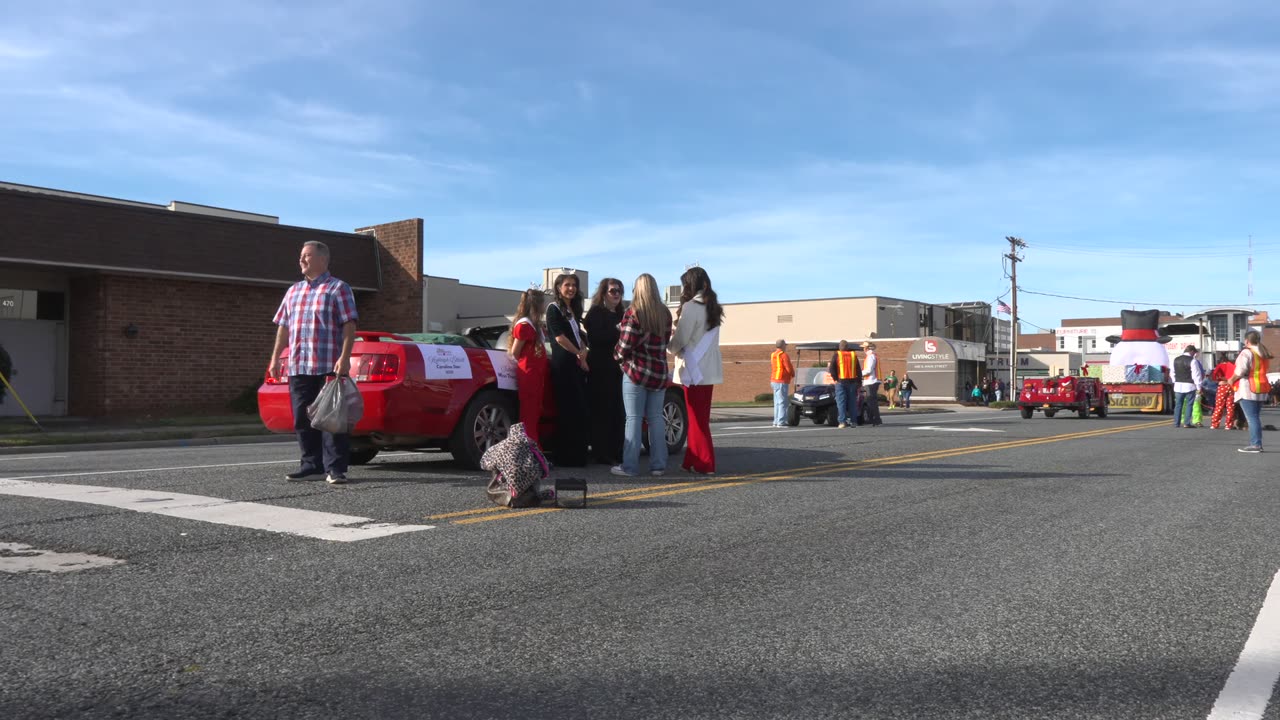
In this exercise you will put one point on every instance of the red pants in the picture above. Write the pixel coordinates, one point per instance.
(531, 386)
(699, 454)
(1224, 401)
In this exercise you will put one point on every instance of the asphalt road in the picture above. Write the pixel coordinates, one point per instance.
(966, 565)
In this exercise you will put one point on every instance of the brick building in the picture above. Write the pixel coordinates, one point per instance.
(114, 307)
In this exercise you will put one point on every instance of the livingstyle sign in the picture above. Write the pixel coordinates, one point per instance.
(931, 361)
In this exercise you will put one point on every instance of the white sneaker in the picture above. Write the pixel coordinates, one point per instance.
(617, 470)
(842, 425)
(657, 473)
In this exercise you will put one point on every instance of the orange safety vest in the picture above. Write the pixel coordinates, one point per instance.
(781, 367)
(845, 363)
(1258, 382)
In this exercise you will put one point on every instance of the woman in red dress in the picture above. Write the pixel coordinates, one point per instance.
(528, 348)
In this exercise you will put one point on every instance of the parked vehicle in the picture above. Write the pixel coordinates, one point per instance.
(813, 394)
(444, 395)
(1051, 394)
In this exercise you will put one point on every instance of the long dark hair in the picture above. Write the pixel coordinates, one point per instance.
(694, 281)
(575, 305)
(532, 304)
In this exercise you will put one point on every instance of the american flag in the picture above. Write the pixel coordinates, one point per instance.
(1002, 307)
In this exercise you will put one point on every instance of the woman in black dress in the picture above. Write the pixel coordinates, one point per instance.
(568, 372)
(604, 382)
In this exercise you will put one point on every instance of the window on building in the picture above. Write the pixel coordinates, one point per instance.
(1087, 344)
(1218, 326)
(784, 318)
(1062, 342)
(1242, 326)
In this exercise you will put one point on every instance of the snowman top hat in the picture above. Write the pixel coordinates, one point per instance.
(1139, 326)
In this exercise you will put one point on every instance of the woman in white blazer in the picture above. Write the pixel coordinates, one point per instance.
(698, 367)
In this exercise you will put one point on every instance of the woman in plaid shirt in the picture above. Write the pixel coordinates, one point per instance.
(642, 352)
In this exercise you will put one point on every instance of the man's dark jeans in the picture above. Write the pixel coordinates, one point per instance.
(336, 448)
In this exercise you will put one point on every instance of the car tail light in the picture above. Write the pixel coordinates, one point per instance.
(280, 377)
(376, 368)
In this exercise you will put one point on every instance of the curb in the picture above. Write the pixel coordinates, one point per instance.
(143, 444)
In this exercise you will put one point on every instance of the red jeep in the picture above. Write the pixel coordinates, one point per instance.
(1052, 394)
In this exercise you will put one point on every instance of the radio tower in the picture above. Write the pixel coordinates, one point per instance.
(1250, 272)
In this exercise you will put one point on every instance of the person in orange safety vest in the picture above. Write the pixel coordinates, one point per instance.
(846, 373)
(781, 373)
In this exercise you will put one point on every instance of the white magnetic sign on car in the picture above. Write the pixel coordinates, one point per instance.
(504, 368)
(445, 362)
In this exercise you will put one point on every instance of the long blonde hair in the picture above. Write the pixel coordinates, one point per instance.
(532, 303)
(653, 316)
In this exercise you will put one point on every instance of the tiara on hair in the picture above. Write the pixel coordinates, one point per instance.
(693, 265)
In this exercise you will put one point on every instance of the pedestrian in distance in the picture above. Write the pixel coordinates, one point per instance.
(871, 383)
(1252, 386)
(906, 386)
(604, 381)
(527, 346)
(997, 387)
(1224, 401)
(569, 372)
(642, 351)
(846, 374)
(891, 388)
(1188, 379)
(317, 322)
(781, 373)
(698, 366)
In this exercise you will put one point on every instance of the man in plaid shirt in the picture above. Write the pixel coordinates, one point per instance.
(317, 322)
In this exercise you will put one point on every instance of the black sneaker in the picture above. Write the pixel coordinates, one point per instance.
(305, 475)
(336, 478)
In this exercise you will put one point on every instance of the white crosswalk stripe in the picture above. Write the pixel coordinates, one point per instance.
(258, 516)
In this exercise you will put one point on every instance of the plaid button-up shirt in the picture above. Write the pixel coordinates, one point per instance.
(643, 356)
(315, 311)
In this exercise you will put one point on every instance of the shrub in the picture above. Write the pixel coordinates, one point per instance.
(764, 397)
(1004, 404)
(6, 368)
(247, 401)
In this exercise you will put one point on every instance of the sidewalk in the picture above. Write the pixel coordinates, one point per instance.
(18, 436)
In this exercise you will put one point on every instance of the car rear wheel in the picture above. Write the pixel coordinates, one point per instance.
(487, 420)
(1026, 412)
(1101, 410)
(1083, 412)
(362, 456)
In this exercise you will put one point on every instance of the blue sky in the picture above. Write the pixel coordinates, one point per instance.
(846, 148)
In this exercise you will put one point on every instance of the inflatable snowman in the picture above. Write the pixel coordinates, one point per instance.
(1139, 343)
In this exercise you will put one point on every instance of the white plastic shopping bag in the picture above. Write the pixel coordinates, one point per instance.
(338, 407)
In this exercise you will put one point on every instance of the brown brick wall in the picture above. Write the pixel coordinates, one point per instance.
(198, 344)
(746, 367)
(397, 307)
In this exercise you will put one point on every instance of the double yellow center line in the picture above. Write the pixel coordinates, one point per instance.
(479, 515)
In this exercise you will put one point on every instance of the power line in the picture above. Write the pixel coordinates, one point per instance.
(1148, 304)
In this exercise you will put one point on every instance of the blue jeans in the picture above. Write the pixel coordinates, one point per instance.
(320, 450)
(779, 403)
(847, 401)
(643, 405)
(1182, 408)
(1253, 413)
(904, 396)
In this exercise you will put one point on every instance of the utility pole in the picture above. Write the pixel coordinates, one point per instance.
(1014, 244)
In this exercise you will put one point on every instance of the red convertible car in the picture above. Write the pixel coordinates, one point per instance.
(455, 394)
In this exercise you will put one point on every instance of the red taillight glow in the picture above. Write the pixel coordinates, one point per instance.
(376, 368)
(280, 378)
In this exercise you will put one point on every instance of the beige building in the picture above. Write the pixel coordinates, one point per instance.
(451, 306)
